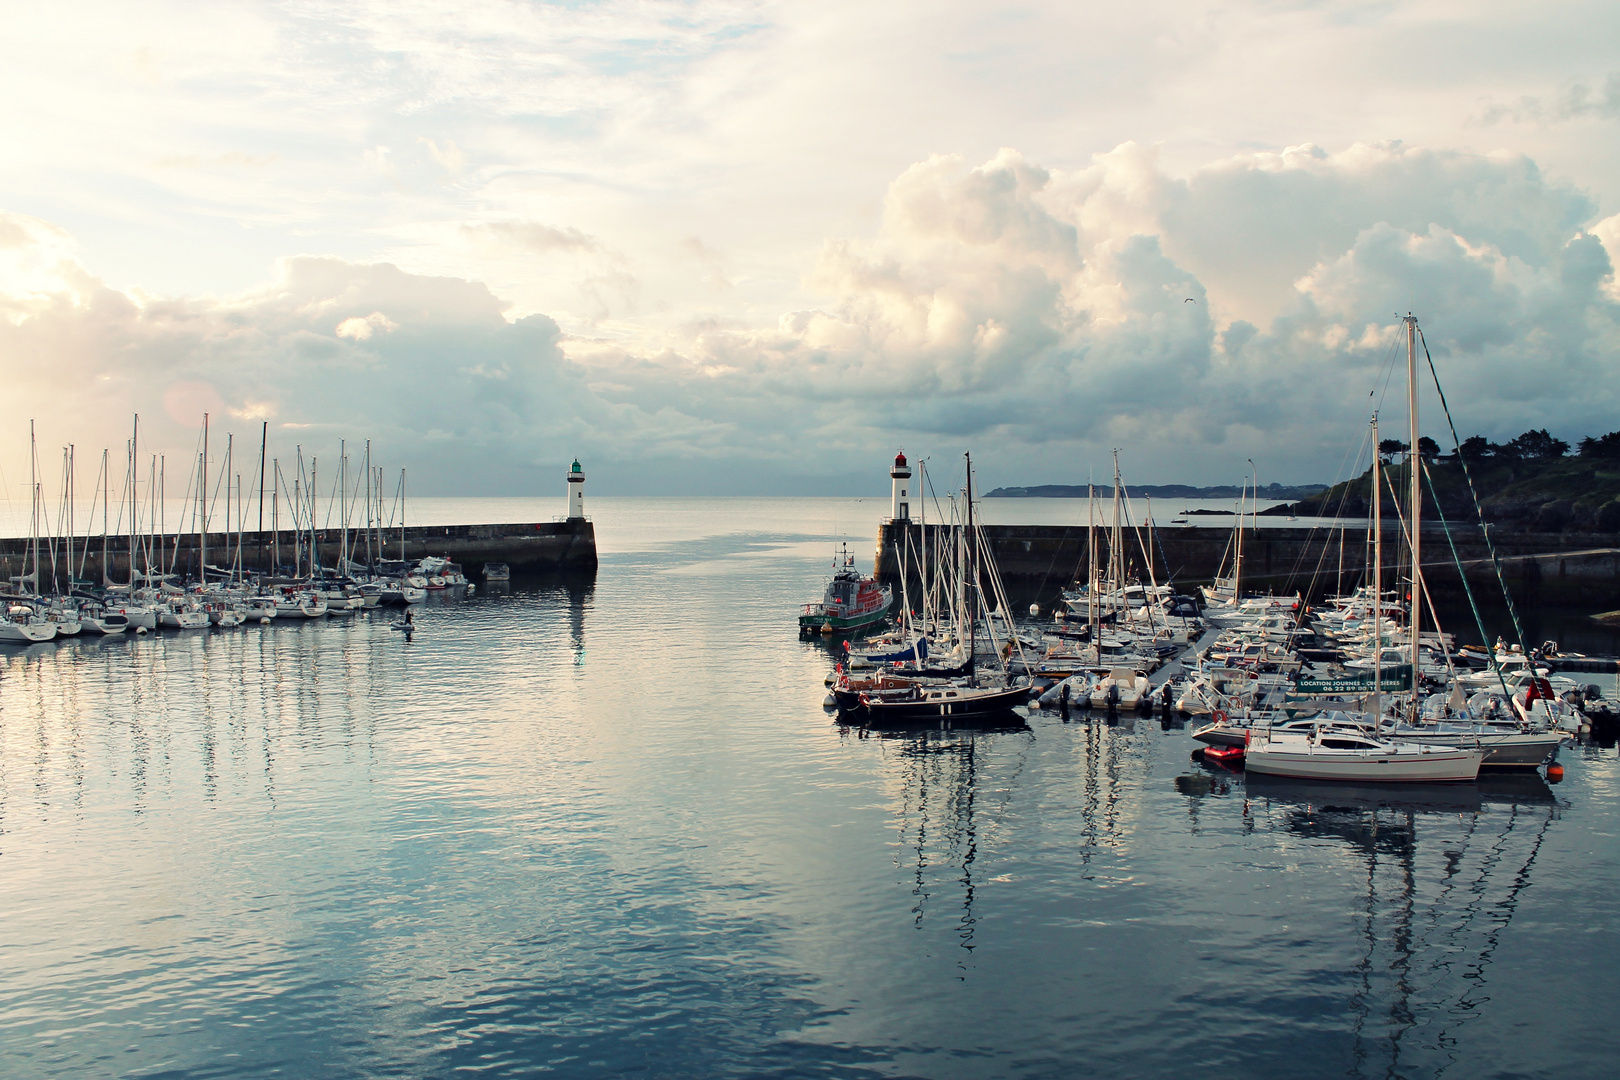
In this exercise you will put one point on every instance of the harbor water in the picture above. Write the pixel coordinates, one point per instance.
(605, 828)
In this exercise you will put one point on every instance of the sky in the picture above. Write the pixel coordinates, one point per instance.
(756, 248)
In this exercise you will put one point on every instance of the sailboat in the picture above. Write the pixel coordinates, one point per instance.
(1412, 740)
(975, 697)
(1331, 752)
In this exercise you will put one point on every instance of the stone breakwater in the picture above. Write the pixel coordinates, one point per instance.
(530, 548)
(1038, 561)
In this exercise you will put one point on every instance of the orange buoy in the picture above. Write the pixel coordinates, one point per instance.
(1555, 773)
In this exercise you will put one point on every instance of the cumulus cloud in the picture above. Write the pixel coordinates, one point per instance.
(1036, 315)
(1044, 314)
(325, 349)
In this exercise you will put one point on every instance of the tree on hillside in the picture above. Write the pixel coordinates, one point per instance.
(1428, 449)
(1603, 446)
(1477, 448)
(1391, 447)
(1539, 444)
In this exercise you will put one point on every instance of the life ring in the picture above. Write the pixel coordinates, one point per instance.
(1218, 716)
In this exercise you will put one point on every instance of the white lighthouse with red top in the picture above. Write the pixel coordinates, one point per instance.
(900, 508)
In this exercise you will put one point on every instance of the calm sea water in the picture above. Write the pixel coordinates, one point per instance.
(606, 829)
(856, 517)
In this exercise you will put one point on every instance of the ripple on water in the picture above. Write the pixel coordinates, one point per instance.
(607, 829)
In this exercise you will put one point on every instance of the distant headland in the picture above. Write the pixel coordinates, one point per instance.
(1161, 491)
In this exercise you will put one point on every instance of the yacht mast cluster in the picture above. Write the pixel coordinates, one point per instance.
(1357, 689)
(202, 571)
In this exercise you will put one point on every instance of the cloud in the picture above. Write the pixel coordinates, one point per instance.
(357, 329)
(449, 156)
(1042, 312)
(1576, 101)
(534, 237)
(1034, 314)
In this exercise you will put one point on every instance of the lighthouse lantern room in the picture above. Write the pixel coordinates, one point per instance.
(900, 508)
(576, 492)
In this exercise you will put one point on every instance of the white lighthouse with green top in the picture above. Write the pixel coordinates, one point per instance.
(576, 492)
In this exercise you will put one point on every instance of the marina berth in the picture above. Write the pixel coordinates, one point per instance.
(1361, 686)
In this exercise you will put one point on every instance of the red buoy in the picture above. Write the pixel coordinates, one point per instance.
(1555, 773)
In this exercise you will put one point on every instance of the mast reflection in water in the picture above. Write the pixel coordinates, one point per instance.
(1444, 866)
(605, 828)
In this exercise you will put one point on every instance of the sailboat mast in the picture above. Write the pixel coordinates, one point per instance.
(163, 523)
(236, 565)
(922, 543)
(297, 508)
(134, 450)
(1116, 549)
(315, 567)
(1378, 567)
(402, 515)
(1413, 465)
(202, 495)
(1237, 558)
(33, 506)
(343, 507)
(368, 506)
(972, 562)
(1091, 581)
(264, 444)
(230, 465)
(70, 517)
(106, 493)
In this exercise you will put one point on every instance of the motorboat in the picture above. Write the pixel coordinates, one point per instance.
(301, 604)
(259, 608)
(1079, 691)
(850, 601)
(1122, 688)
(179, 614)
(497, 571)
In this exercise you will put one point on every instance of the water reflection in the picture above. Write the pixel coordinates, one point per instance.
(1442, 869)
(603, 829)
(941, 811)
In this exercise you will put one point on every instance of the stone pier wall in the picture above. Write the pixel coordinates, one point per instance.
(1038, 561)
(534, 548)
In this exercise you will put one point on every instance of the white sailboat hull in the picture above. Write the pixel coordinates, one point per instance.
(1365, 767)
(141, 617)
(25, 634)
(111, 623)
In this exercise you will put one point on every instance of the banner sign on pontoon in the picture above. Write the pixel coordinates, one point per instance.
(1394, 678)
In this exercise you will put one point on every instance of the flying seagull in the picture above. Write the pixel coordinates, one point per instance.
(1189, 300)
